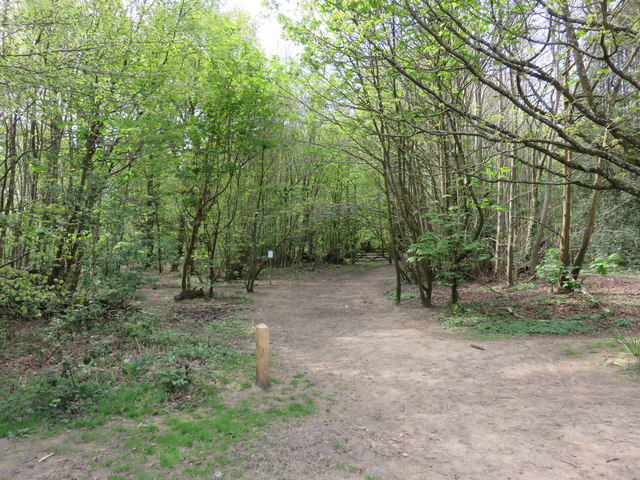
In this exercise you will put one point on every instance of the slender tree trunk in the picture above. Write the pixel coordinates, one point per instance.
(9, 183)
(66, 257)
(565, 230)
(158, 236)
(590, 227)
(511, 227)
(542, 225)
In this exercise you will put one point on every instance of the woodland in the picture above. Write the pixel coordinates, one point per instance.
(460, 139)
(146, 135)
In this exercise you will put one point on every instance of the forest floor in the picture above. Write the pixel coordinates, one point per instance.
(397, 396)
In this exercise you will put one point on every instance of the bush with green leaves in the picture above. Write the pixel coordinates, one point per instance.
(449, 245)
(132, 367)
(553, 272)
(55, 394)
(198, 351)
(72, 388)
(602, 265)
(83, 316)
(174, 378)
(139, 326)
(117, 289)
(25, 295)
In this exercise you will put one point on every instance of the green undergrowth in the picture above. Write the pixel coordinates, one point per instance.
(598, 346)
(497, 317)
(165, 399)
(408, 291)
(134, 367)
(521, 287)
(522, 311)
(622, 345)
(518, 327)
(631, 344)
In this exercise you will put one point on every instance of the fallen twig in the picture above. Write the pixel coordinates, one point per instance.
(479, 347)
(45, 457)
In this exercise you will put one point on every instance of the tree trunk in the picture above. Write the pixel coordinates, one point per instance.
(542, 225)
(511, 228)
(590, 227)
(455, 296)
(188, 264)
(565, 231)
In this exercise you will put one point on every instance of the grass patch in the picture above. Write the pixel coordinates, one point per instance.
(521, 287)
(624, 323)
(632, 346)
(193, 444)
(518, 327)
(347, 468)
(570, 352)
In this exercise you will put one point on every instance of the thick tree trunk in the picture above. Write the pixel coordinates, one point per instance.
(188, 264)
(455, 296)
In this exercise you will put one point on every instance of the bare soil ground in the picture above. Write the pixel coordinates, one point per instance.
(417, 402)
(404, 399)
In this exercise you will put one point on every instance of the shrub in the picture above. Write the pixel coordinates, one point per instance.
(631, 344)
(174, 379)
(54, 394)
(602, 265)
(552, 271)
(25, 295)
(83, 316)
(139, 326)
(193, 352)
(117, 289)
(132, 368)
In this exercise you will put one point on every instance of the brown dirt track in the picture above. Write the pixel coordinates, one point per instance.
(417, 402)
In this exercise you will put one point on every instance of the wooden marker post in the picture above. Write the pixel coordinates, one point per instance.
(262, 355)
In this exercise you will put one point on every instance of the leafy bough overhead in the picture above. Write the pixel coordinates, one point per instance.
(570, 70)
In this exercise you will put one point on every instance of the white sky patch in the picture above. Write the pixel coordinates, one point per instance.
(268, 29)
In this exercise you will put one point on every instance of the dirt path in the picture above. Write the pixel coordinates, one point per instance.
(415, 402)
